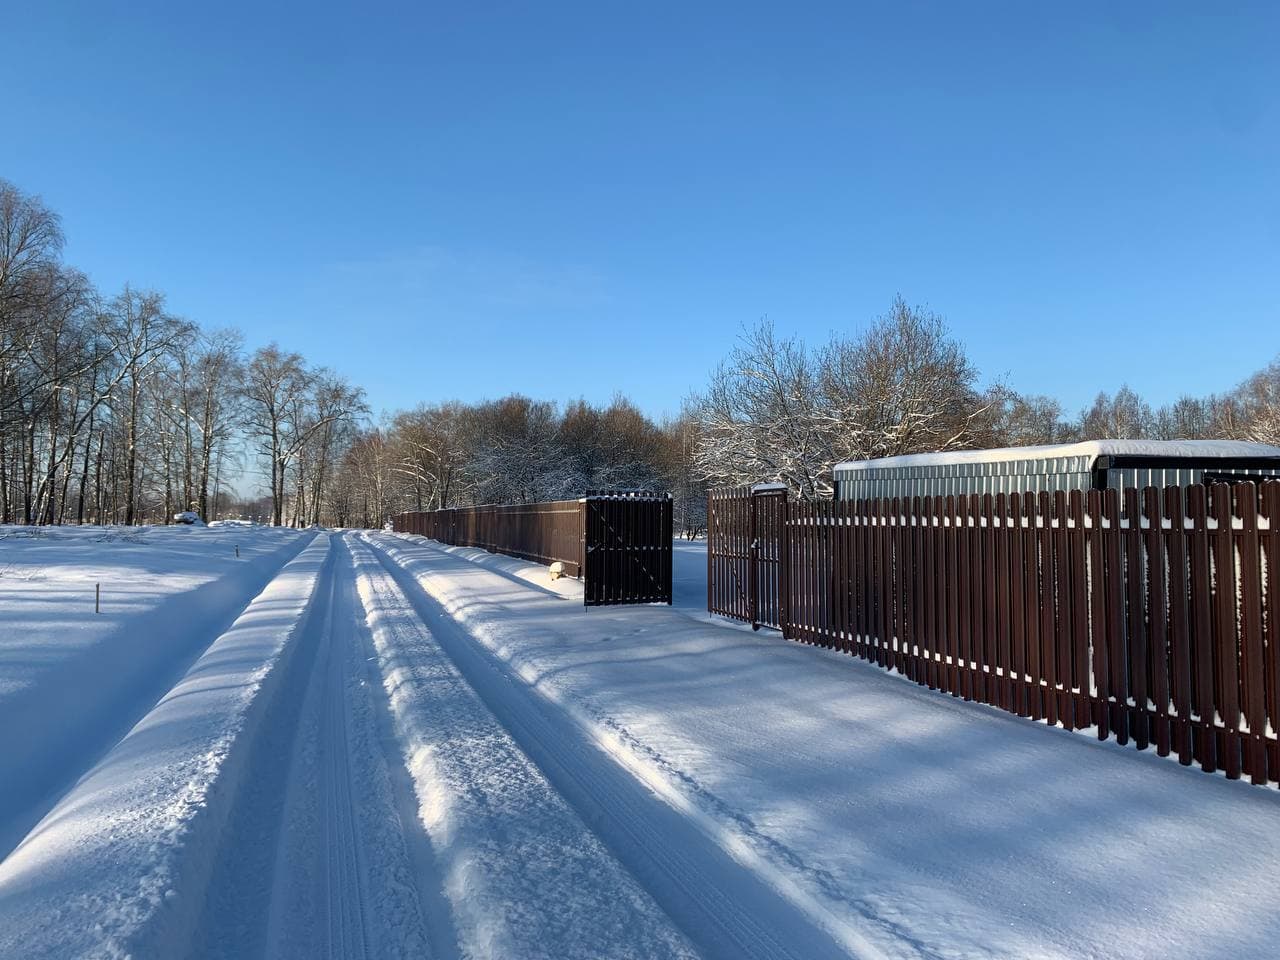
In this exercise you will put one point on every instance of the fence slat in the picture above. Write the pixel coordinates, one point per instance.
(1224, 632)
(1179, 627)
(1271, 589)
(1135, 607)
(1048, 622)
(1031, 592)
(1000, 603)
(1252, 667)
(1082, 701)
(946, 569)
(1098, 616)
(1157, 618)
(1204, 664)
(1017, 606)
(1062, 608)
(932, 584)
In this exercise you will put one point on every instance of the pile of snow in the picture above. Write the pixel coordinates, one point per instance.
(189, 517)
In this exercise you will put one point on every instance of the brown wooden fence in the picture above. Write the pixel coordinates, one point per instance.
(541, 532)
(618, 544)
(1152, 616)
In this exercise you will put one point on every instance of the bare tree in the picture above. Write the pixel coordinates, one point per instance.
(430, 450)
(30, 242)
(334, 406)
(684, 480)
(903, 386)
(774, 411)
(760, 418)
(217, 375)
(516, 456)
(287, 405)
(1020, 420)
(274, 383)
(142, 333)
(1257, 406)
(1125, 416)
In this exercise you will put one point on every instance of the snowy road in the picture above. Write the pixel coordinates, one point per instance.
(401, 750)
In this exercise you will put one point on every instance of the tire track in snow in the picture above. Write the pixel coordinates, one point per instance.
(344, 873)
(724, 908)
(524, 875)
(424, 868)
(312, 863)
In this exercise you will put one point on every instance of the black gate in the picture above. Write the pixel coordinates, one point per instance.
(627, 549)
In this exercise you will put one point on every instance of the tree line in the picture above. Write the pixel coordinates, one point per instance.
(781, 411)
(515, 450)
(775, 410)
(114, 410)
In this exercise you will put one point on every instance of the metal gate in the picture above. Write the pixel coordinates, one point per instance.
(627, 549)
(745, 572)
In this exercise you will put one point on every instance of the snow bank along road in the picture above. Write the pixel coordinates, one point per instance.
(365, 745)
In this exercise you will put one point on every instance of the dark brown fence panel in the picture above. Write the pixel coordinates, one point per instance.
(1152, 615)
(542, 532)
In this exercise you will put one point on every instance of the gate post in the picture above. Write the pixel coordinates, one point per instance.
(711, 518)
(668, 547)
(582, 551)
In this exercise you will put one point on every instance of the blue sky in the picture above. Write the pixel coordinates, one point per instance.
(462, 200)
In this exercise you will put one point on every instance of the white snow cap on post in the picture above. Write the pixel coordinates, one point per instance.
(1088, 448)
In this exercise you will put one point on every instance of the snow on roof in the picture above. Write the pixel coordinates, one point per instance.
(1089, 448)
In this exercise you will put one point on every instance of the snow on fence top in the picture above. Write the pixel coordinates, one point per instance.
(610, 493)
(1092, 449)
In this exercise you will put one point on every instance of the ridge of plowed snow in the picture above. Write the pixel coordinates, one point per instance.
(118, 867)
(74, 681)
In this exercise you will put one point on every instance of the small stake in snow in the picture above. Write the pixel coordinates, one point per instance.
(237, 551)
(97, 598)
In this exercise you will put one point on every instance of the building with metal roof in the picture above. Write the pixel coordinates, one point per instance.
(1091, 465)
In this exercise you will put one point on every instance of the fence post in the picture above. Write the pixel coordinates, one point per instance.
(753, 565)
(784, 569)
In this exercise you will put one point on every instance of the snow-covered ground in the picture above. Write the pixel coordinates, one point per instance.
(368, 745)
(72, 681)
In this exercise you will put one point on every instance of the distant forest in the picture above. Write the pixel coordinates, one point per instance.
(113, 410)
